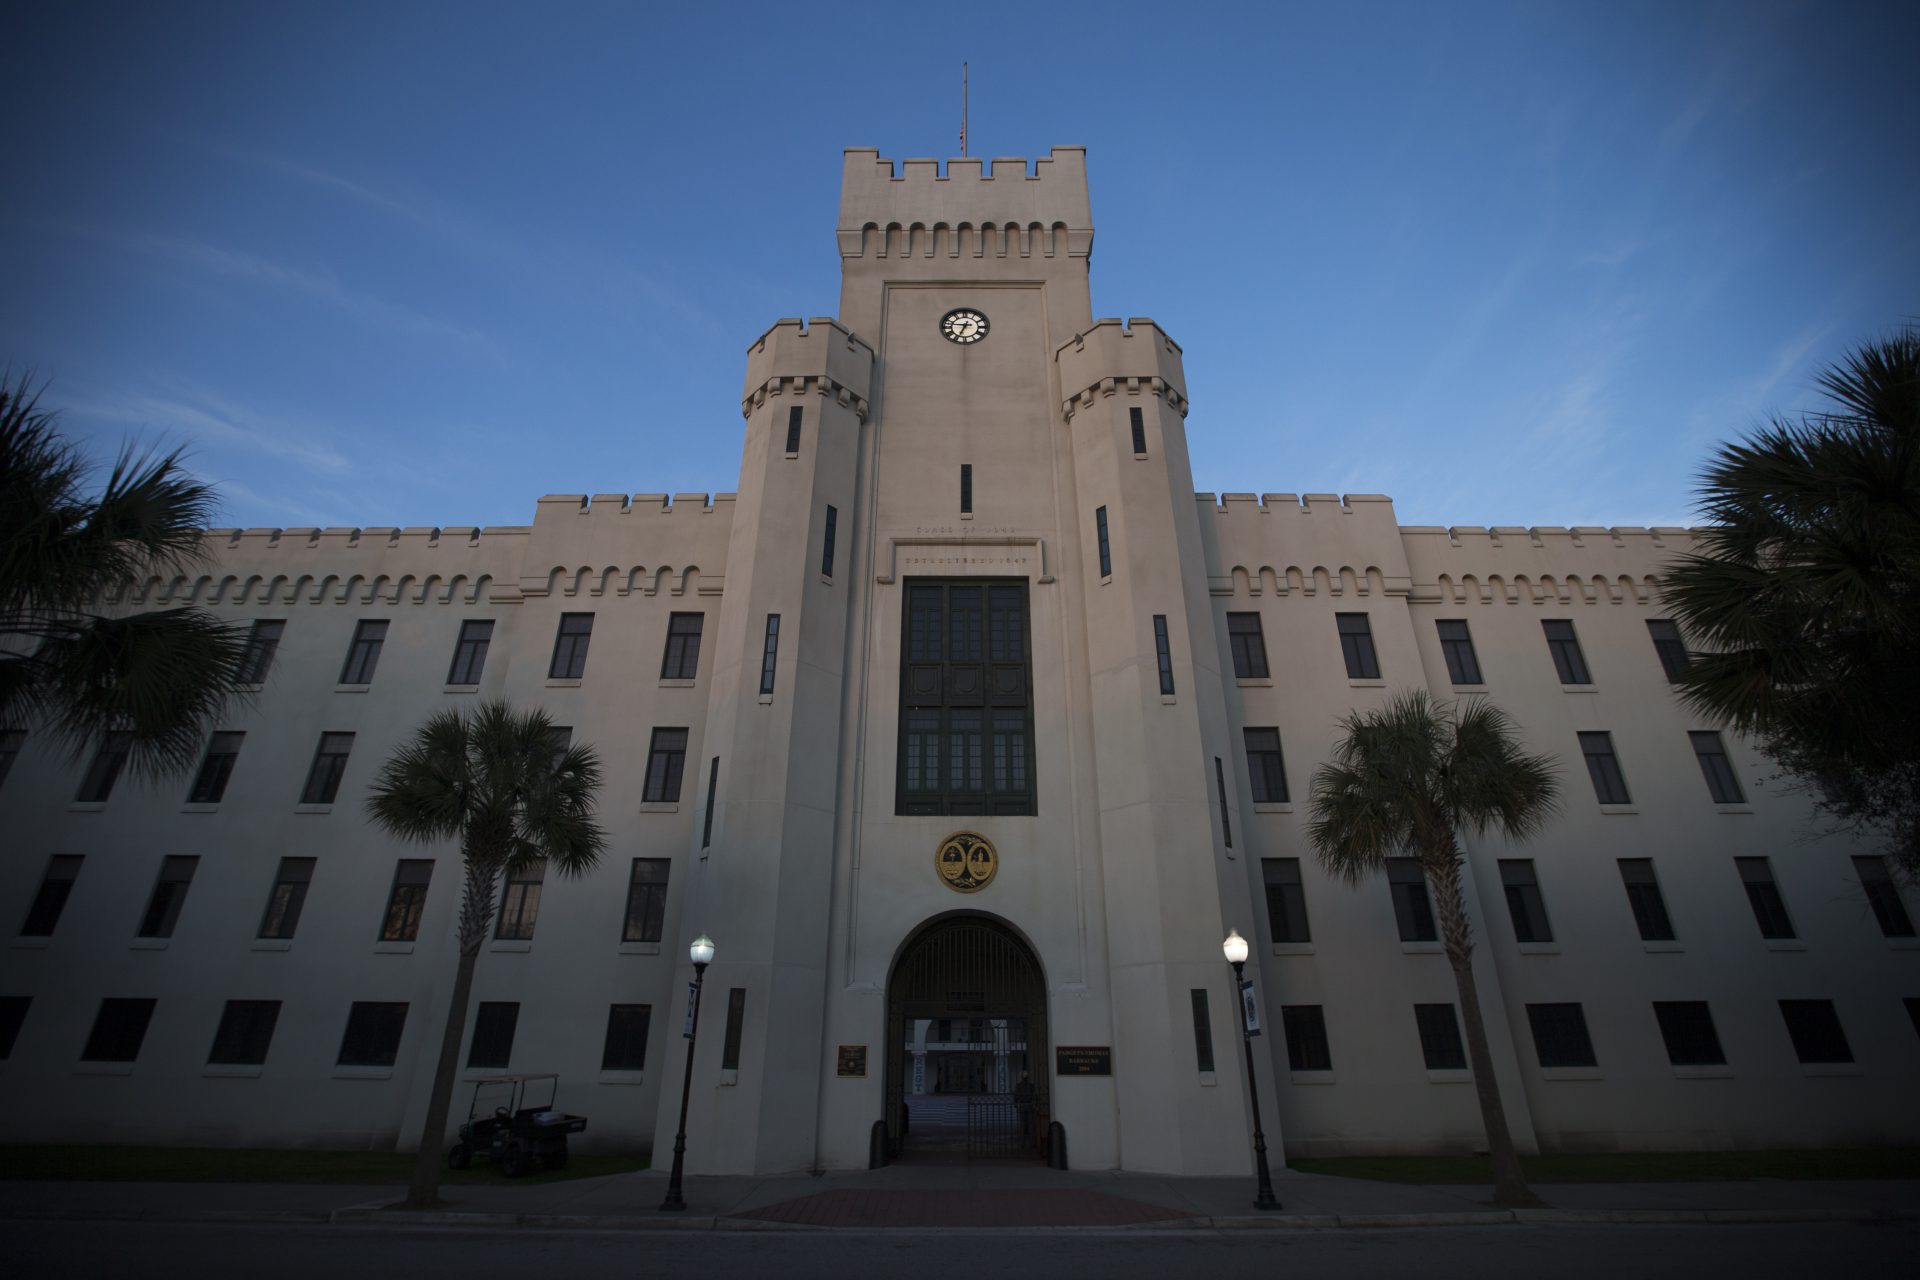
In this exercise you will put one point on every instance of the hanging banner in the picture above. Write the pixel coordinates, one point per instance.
(1249, 1010)
(693, 998)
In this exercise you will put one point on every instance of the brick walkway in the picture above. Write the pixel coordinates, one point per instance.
(961, 1208)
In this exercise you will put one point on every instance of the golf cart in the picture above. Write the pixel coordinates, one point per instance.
(502, 1127)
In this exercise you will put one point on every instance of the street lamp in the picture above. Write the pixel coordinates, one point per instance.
(1235, 948)
(701, 953)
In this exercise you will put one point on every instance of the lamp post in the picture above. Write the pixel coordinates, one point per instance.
(1236, 950)
(701, 953)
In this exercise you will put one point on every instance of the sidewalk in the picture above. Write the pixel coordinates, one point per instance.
(957, 1196)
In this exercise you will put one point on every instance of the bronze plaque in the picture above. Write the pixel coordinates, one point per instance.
(966, 861)
(853, 1060)
(1083, 1060)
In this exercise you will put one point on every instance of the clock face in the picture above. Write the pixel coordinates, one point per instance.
(963, 326)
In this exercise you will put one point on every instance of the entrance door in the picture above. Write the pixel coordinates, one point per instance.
(967, 1045)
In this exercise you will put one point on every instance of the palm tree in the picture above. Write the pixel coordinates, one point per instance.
(1406, 779)
(67, 664)
(502, 783)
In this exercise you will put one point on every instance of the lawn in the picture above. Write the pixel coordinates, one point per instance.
(199, 1164)
(1629, 1166)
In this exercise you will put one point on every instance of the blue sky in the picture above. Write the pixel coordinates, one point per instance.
(417, 264)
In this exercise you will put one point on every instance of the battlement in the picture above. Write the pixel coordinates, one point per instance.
(1283, 504)
(1113, 356)
(555, 506)
(985, 208)
(800, 357)
(343, 538)
(1477, 537)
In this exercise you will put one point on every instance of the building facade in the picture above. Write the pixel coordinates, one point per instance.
(967, 731)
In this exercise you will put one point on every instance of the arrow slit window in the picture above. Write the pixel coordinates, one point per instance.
(966, 703)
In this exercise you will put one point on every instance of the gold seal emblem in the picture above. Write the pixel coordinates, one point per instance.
(966, 861)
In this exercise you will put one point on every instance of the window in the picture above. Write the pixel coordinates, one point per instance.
(108, 761)
(1138, 422)
(1202, 1022)
(372, 1037)
(289, 895)
(1456, 643)
(62, 870)
(11, 740)
(1687, 1027)
(493, 1024)
(406, 900)
(363, 655)
(736, 1020)
(1286, 900)
(1565, 648)
(1883, 895)
(1714, 765)
(470, 652)
(966, 715)
(1226, 816)
(257, 660)
(646, 900)
(223, 750)
(1249, 646)
(1815, 1030)
(118, 1030)
(245, 1031)
(520, 902)
(1671, 648)
(1356, 645)
(13, 1012)
(793, 429)
(1306, 1031)
(682, 659)
(826, 542)
(1440, 1037)
(1643, 894)
(329, 766)
(1106, 548)
(966, 488)
(713, 790)
(1763, 895)
(169, 895)
(626, 1047)
(570, 647)
(1560, 1035)
(666, 757)
(1163, 654)
(1265, 767)
(1609, 784)
(1412, 904)
(1524, 903)
(769, 653)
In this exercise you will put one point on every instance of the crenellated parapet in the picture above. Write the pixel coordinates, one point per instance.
(974, 209)
(628, 544)
(1541, 565)
(1315, 544)
(820, 357)
(1115, 357)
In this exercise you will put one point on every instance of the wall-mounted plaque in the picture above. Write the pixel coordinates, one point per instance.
(853, 1060)
(966, 861)
(1083, 1060)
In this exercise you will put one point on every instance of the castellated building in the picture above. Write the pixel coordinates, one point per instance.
(967, 730)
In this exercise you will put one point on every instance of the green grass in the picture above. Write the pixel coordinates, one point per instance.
(200, 1164)
(1630, 1166)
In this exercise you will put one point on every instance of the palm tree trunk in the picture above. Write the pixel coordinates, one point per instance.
(1509, 1187)
(476, 910)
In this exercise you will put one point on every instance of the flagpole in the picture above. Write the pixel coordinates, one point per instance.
(963, 108)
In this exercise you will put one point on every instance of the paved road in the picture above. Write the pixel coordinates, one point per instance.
(159, 1250)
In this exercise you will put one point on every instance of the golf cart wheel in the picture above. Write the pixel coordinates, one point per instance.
(460, 1157)
(515, 1161)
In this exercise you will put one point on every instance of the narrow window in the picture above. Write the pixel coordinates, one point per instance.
(1456, 642)
(1883, 895)
(666, 757)
(736, 1020)
(1265, 767)
(793, 429)
(245, 1031)
(1568, 661)
(570, 647)
(169, 895)
(329, 766)
(713, 789)
(1763, 895)
(493, 1026)
(118, 1030)
(1440, 1037)
(470, 652)
(626, 1047)
(372, 1037)
(646, 900)
(769, 653)
(51, 899)
(13, 1012)
(1220, 783)
(257, 659)
(406, 900)
(966, 727)
(1687, 1027)
(1643, 894)
(682, 658)
(108, 761)
(11, 740)
(1524, 903)
(520, 902)
(1560, 1035)
(1356, 645)
(1306, 1031)
(1609, 784)
(1138, 421)
(1671, 648)
(1202, 1022)
(1163, 654)
(1249, 646)
(363, 655)
(1815, 1030)
(1412, 904)
(289, 895)
(966, 488)
(210, 784)
(826, 543)
(1716, 768)
(1106, 549)
(562, 739)
(1286, 900)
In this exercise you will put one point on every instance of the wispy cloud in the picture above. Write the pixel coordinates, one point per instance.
(211, 420)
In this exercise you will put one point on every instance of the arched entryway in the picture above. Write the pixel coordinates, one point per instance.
(967, 1074)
